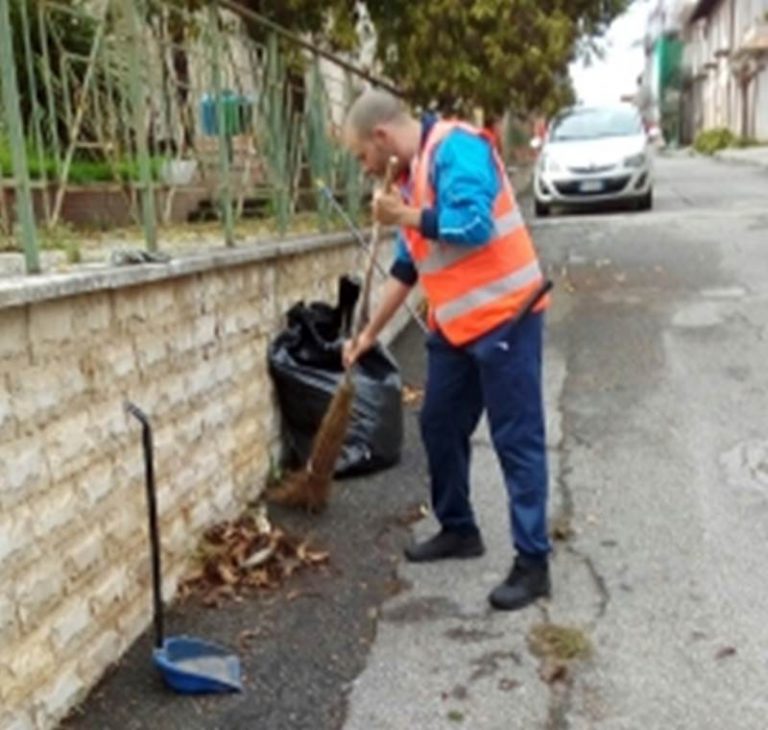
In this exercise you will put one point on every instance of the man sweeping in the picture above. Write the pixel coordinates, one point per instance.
(463, 238)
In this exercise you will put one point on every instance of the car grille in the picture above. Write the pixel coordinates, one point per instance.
(591, 170)
(609, 185)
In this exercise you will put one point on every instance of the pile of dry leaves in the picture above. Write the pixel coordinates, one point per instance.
(244, 554)
(412, 396)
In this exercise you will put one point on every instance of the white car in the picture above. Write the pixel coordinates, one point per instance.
(594, 155)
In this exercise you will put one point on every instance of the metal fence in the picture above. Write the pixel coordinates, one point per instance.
(174, 116)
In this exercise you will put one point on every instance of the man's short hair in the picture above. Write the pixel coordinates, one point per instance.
(371, 108)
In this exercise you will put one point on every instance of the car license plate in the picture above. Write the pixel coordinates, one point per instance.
(591, 186)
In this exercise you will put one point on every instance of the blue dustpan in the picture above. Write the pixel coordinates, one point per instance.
(192, 666)
(188, 665)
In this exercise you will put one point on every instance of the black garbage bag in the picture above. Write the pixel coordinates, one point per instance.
(306, 367)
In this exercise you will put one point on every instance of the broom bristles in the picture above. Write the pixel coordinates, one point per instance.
(310, 488)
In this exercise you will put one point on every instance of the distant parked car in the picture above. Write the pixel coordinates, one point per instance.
(593, 155)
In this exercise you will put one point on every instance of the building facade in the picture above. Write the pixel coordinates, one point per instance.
(659, 87)
(725, 66)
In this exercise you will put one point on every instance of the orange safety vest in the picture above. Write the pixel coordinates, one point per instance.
(471, 290)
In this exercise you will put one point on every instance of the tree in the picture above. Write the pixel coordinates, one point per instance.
(329, 22)
(495, 54)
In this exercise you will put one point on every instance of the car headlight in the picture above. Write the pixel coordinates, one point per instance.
(635, 160)
(549, 164)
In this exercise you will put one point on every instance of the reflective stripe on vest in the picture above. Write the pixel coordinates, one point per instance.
(486, 294)
(472, 289)
(444, 255)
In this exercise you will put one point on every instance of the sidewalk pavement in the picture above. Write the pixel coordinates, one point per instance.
(757, 156)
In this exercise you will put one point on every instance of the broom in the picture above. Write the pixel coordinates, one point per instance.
(310, 488)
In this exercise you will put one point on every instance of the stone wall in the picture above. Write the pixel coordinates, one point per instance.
(187, 342)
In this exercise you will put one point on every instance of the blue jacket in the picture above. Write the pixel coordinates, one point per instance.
(466, 182)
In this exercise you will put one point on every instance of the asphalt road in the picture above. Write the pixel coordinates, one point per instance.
(657, 396)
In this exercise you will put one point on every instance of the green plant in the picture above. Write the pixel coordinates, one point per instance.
(742, 142)
(710, 141)
(35, 164)
(83, 170)
(62, 238)
(551, 641)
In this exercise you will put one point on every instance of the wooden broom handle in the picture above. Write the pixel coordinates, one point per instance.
(373, 251)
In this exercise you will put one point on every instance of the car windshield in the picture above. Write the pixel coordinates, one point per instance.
(596, 123)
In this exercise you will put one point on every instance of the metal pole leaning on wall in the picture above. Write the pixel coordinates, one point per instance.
(24, 208)
(221, 123)
(138, 104)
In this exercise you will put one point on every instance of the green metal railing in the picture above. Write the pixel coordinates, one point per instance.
(160, 104)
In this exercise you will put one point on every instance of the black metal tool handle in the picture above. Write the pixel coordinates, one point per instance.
(154, 534)
(534, 298)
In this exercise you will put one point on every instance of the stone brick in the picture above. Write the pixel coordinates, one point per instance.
(130, 309)
(59, 696)
(8, 618)
(214, 416)
(186, 297)
(96, 482)
(7, 412)
(188, 480)
(109, 421)
(205, 330)
(28, 661)
(223, 495)
(247, 319)
(97, 654)
(200, 515)
(174, 389)
(181, 338)
(23, 470)
(15, 533)
(199, 380)
(50, 324)
(35, 393)
(118, 361)
(159, 302)
(177, 538)
(83, 554)
(128, 472)
(109, 592)
(224, 370)
(16, 722)
(38, 589)
(214, 288)
(62, 506)
(122, 523)
(133, 617)
(225, 443)
(66, 444)
(93, 314)
(70, 623)
(150, 351)
(191, 427)
(13, 325)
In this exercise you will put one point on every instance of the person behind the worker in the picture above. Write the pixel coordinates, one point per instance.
(463, 237)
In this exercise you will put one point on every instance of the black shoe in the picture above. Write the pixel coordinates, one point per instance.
(446, 544)
(526, 582)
